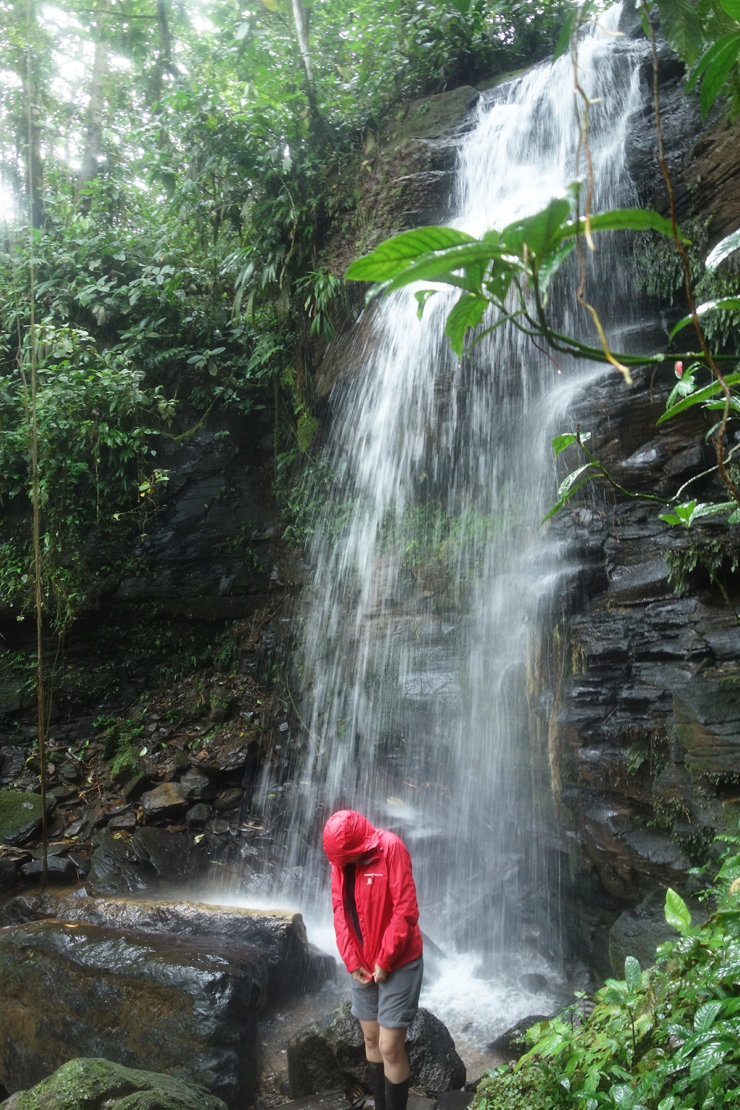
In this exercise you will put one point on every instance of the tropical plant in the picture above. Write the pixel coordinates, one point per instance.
(663, 1038)
(96, 470)
(707, 37)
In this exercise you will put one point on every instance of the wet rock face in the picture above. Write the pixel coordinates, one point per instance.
(645, 731)
(217, 505)
(171, 987)
(181, 813)
(407, 173)
(331, 1054)
(644, 716)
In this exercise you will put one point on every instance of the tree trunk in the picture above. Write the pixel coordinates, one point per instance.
(163, 61)
(300, 21)
(93, 153)
(31, 131)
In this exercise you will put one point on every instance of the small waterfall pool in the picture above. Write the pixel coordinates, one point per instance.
(431, 571)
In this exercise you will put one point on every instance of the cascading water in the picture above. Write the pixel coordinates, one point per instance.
(431, 567)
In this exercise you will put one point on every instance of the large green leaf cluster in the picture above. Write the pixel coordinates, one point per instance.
(706, 36)
(503, 279)
(508, 270)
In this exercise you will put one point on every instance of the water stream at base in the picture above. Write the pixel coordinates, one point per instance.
(431, 571)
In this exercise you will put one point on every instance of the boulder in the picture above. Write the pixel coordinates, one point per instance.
(59, 868)
(331, 1054)
(167, 800)
(172, 987)
(639, 931)
(8, 874)
(20, 815)
(83, 1084)
(513, 1042)
(152, 854)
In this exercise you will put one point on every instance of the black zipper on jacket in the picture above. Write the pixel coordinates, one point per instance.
(350, 875)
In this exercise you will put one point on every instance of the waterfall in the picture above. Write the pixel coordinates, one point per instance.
(431, 568)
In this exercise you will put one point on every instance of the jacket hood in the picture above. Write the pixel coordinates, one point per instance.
(348, 835)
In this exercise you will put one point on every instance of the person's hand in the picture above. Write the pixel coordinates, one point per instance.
(362, 975)
(380, 974)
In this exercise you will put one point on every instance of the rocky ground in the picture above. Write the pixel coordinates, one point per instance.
(185, 754)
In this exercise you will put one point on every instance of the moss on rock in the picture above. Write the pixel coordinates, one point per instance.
(20, 813)
(84, 1083)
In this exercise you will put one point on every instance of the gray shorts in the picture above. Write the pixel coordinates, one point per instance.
(393, 1004)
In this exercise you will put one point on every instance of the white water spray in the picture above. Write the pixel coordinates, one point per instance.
(431, 568)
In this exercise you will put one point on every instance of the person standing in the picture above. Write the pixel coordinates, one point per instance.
(376, 925)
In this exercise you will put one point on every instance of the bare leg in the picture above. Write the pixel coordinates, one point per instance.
(371, 1033)
(392, 1045)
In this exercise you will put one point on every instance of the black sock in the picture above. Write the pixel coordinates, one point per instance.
(396, 1094)
(377, 1084)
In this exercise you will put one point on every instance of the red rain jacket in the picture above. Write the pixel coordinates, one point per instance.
(385, 894)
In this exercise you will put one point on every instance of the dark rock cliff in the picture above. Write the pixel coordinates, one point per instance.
(644, 658)
(644, 733)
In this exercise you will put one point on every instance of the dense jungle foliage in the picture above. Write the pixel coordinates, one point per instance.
(168, 174)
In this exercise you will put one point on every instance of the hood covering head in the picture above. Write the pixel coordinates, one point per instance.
(347, 836)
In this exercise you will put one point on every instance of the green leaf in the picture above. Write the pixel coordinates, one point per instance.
(573, 488)
(698, 397)
(724, 55)
(723, 304)
(560, 442)
(681, 514)
(705, 1016)
(540, 232)
(463, 6)
(684, 387)
(681, 27)
(676, 912)
(393, 255)
(445, 266)
(632, 972)
(712, 508)
(708, 1058)
(466, 313)
(563, 42)
(574, 475)
(422, 296)
(621, 1096)
(552, 261)
(624, 219)
(732, 7)
(725, 247)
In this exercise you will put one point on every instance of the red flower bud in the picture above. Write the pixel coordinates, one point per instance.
(679, 369)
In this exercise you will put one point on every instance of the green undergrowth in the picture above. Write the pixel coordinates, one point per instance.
(665, 1037)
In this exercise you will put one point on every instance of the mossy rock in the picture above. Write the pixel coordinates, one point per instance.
(20, 815)
(85, 1084)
